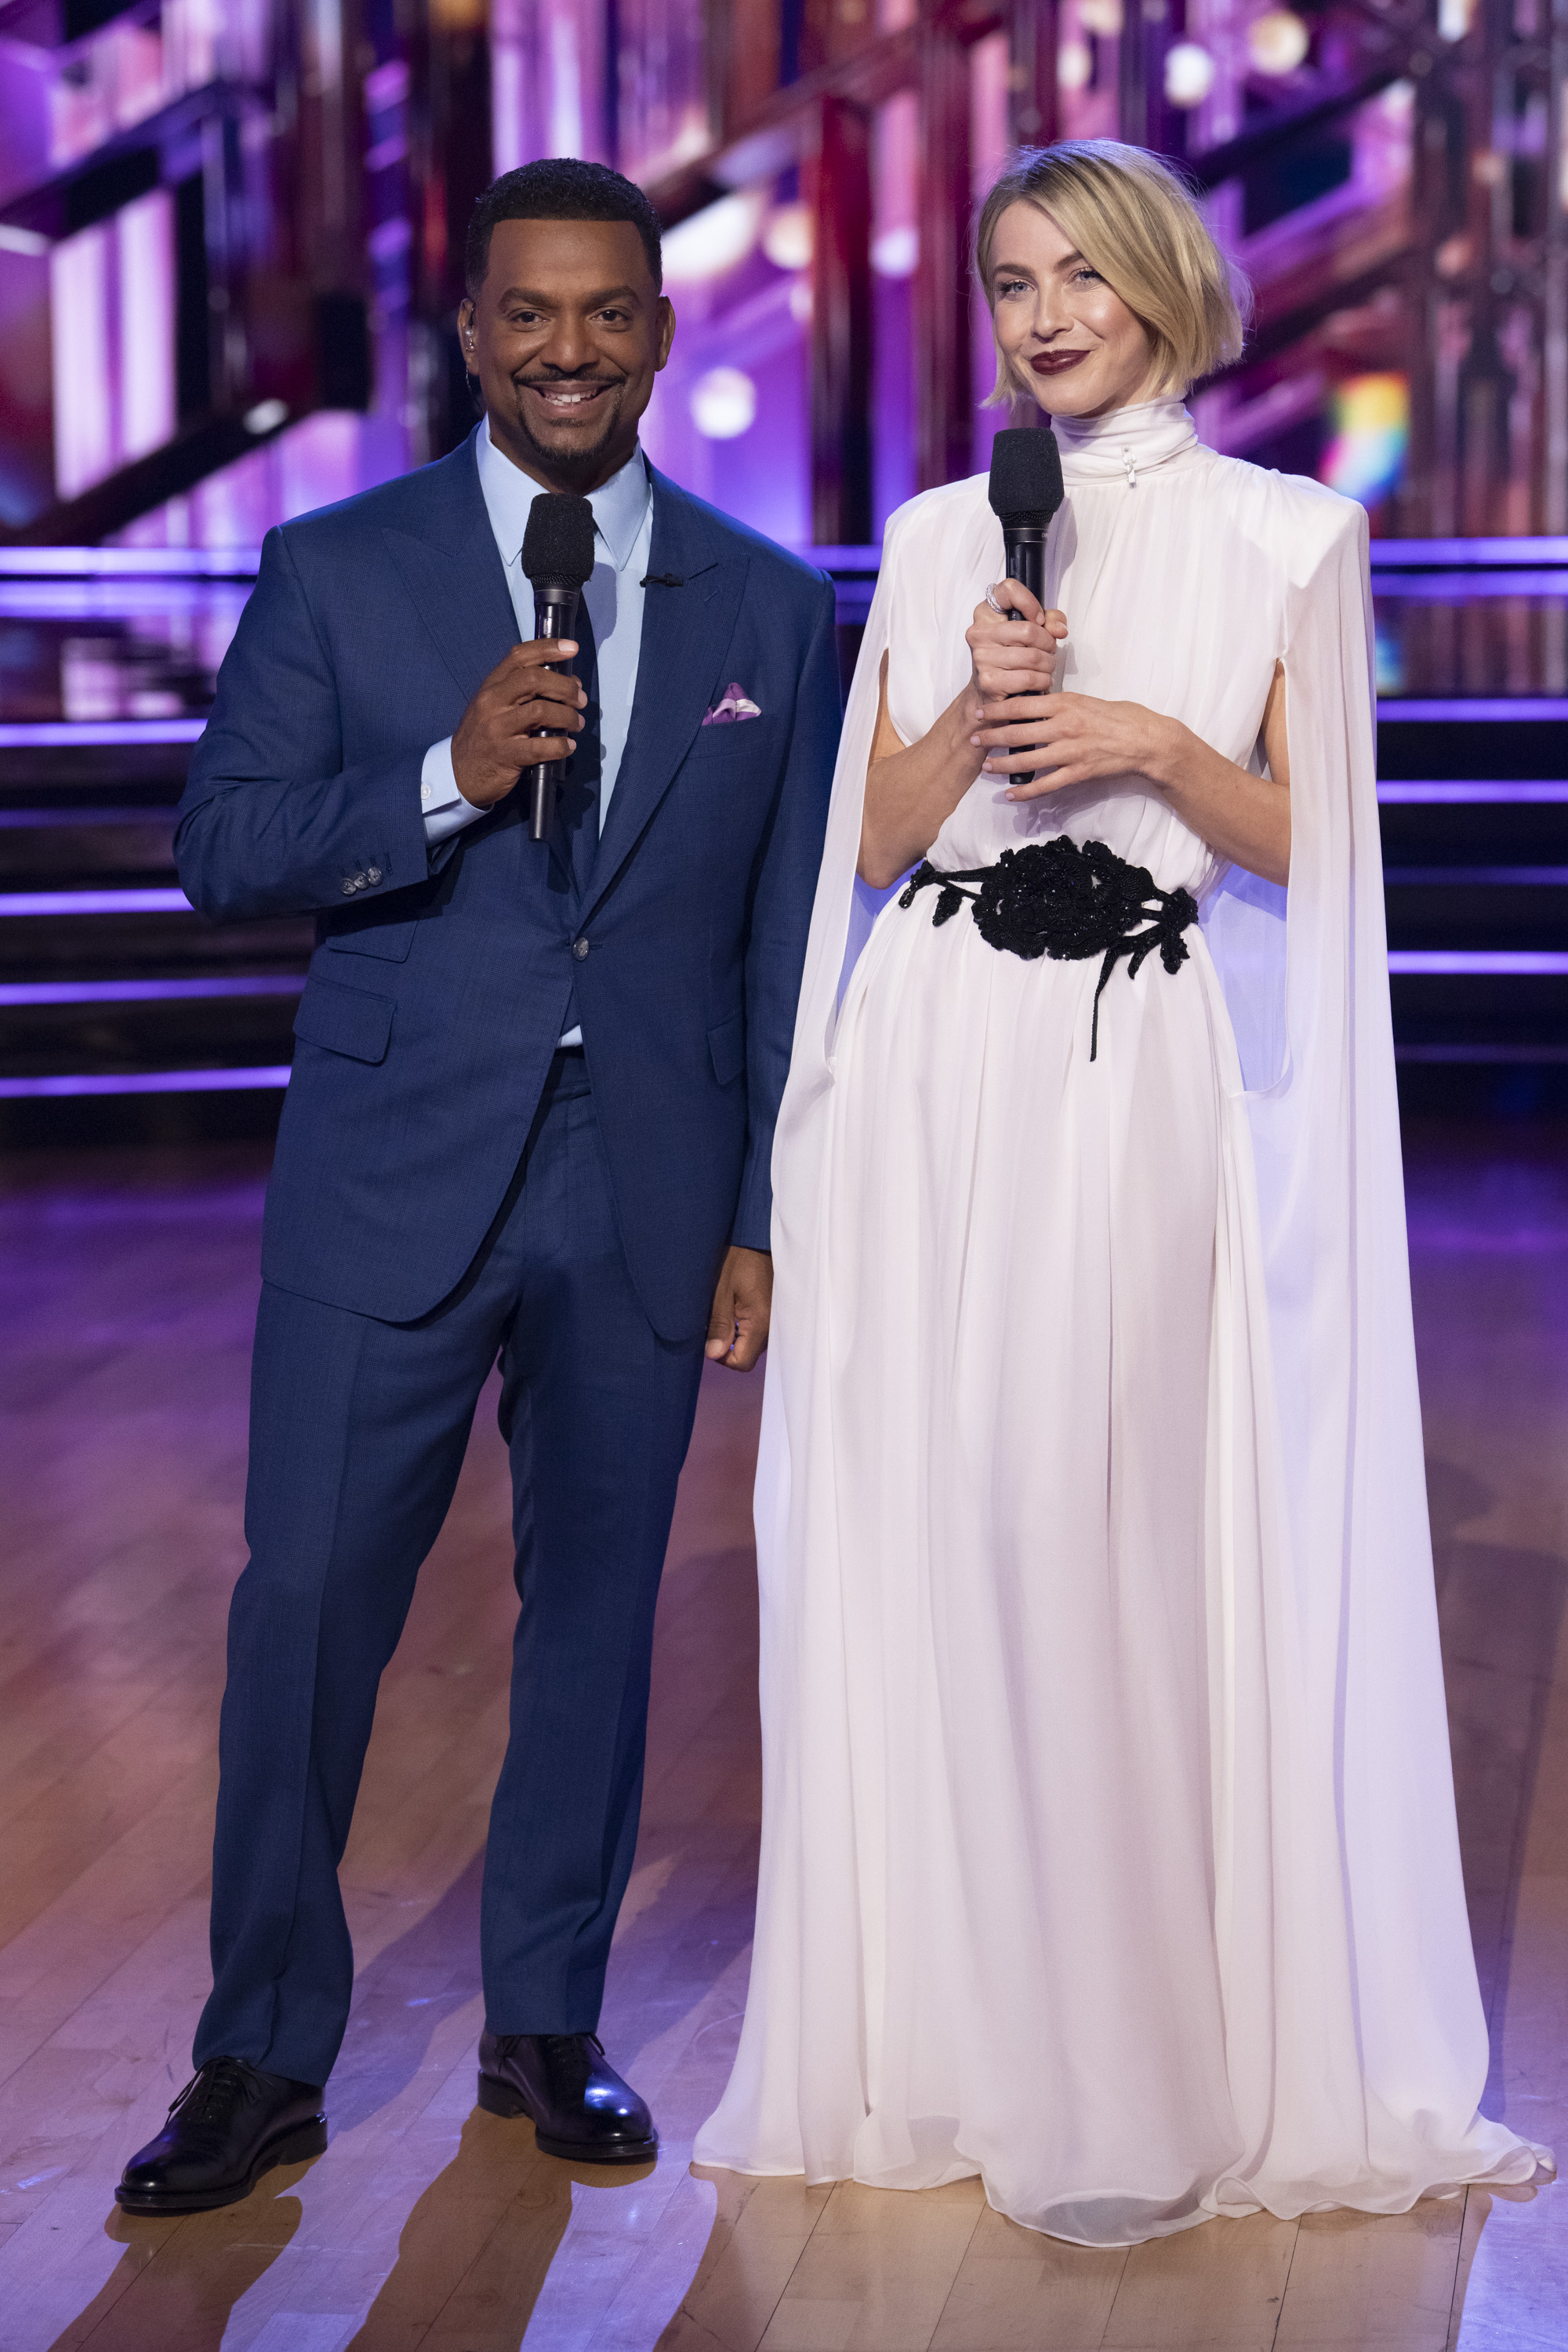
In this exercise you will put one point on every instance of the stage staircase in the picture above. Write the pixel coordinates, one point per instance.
(125, 1014)
(1473, 791)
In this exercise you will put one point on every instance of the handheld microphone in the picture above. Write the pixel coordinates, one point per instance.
(1026, 488)
(558, 557)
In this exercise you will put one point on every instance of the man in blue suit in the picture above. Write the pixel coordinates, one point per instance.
(531, 1117)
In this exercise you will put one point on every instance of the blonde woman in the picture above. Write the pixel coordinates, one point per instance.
(1108, 1844)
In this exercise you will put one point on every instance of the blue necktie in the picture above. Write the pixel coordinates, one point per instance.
(578, 806)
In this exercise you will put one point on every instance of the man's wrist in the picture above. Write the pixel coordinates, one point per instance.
(463, 772)
(444, 806)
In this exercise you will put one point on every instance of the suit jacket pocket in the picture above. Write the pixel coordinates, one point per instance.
(727, 1044)
(344, 1020)
(756, 739)
(390, 941)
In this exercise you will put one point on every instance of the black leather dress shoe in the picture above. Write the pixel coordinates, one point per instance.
(229, 2125)
(581, 2108)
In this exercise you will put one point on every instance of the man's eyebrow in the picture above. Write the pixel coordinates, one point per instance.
(538, 301)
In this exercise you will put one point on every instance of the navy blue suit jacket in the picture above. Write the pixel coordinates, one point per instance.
(434, 1002)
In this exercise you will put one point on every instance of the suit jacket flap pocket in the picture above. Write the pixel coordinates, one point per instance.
(757, 740)
(390, 941)
(344, 1020)
(727, 1044)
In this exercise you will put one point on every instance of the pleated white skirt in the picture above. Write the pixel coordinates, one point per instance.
(1051, 1886)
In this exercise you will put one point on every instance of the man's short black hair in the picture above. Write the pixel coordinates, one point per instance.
(560, 187)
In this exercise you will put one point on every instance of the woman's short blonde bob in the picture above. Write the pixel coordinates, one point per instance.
(1133, 220)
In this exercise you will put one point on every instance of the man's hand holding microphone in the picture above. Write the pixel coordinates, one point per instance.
(499, 736)
(528, 714)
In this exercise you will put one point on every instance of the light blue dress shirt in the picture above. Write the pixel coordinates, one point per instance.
(623, 535)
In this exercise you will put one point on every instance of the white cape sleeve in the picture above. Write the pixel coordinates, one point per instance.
(1306, 978)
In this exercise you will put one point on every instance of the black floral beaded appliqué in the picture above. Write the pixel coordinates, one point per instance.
(1069, 902)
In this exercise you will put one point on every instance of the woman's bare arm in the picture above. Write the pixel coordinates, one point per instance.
(1245, 818)
(911, 789)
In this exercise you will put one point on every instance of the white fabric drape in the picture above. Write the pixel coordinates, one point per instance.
(1108, 1844)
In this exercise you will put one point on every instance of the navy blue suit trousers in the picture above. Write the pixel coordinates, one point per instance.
(358, 1432)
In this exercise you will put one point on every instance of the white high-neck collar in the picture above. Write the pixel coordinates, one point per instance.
(1127, 443)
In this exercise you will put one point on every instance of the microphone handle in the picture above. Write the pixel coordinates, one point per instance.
(1024, 546)
(1025, 556)
(555, 616)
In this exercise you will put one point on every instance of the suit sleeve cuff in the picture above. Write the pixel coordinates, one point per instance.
(752, 1226)
(441, 805)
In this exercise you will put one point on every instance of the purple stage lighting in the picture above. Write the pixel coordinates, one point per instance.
(145, 1082)
(145, 992)
(65, 734)
(1512, 706)
(95, 902)
(1472, 793)
(1478, 963)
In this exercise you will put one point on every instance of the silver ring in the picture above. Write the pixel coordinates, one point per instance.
(1000, 610)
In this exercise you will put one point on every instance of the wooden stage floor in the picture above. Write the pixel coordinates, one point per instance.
(127, 1287)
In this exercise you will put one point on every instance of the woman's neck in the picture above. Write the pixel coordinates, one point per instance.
(1125, 413)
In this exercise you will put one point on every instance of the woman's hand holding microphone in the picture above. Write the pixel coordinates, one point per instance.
(1008, 724)
(1022, 725)
(1046, 741)
(1013, 644)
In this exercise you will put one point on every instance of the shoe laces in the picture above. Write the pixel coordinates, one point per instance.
(211, 2096)
(567, 2052)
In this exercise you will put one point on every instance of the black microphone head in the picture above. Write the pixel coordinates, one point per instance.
(1026, 476)
(558, 544)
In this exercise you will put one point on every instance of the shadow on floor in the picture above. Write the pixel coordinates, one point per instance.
(476, 2248)
(475, 2251)
(178, 2282)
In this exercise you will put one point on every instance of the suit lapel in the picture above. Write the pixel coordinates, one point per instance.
(453, 572)
(686, 632)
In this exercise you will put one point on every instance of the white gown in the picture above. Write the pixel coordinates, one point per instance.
(1108, 1847)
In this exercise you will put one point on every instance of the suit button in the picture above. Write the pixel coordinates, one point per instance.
(579, 948)
(350, 886)
(373, 875)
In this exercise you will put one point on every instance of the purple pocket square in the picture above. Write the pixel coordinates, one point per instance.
(736, 704)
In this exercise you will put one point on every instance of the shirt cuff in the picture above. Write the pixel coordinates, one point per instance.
(441, 805)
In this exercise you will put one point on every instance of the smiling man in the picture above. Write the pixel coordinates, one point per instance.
(530, 1119)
